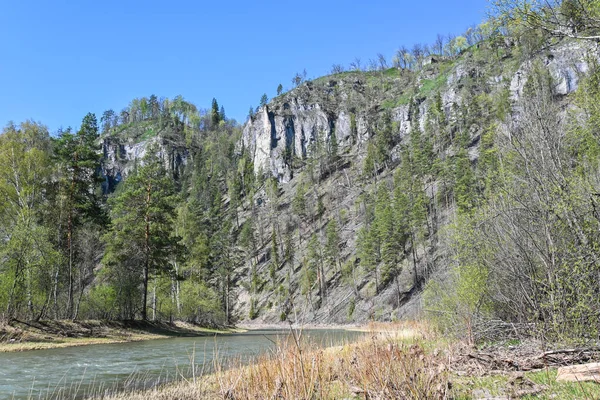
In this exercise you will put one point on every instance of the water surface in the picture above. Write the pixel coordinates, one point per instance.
(80, 371)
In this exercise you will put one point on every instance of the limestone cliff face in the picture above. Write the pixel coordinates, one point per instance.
(288, 125)
(121, 156)
(566, 63)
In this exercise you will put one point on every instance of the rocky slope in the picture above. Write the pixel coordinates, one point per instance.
(283, 139)
(351, 106)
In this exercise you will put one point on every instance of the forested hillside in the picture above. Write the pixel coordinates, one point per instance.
(457, 181)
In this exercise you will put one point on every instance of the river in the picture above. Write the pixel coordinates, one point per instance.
(80, 371)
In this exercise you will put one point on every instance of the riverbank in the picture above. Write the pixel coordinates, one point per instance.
(23, 336)
(404, 360)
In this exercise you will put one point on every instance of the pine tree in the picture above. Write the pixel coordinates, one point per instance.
(215, 116)
(333, 149)
(263, 100)
(384, 224)
(140, 243)
(384, 138)
(367, 251)
(464, 187)
(299, 200)
(332, 246)
(315, 261)
(79, 160)
(274, 249)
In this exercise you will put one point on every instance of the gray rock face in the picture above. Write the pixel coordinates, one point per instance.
(119, 159)
(566, 64)
(286, 127)
(281, 131)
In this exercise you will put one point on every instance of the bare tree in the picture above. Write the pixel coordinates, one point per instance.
(337, 69)
(382, 61)
(438, 46)
(426, 50)
(579, 19)
(400, 55)
(355, 65)
(372, 65)
(417, 52)
(449, 48)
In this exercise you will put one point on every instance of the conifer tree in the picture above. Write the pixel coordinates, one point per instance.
(332, 246)
(315, 262)
(263, 100)
(140, 243)
(79, 160)
(215, 116)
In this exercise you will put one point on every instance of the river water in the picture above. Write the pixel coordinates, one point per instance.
(80, 371)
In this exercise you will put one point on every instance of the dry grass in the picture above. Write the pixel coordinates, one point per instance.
(380, 366)
(383, 365)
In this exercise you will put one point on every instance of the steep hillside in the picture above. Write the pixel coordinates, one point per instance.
(330, 155)
(451, 104)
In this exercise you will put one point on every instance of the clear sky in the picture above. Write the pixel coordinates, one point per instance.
(61, 59)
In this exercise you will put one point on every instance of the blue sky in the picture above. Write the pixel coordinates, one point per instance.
(61, 59)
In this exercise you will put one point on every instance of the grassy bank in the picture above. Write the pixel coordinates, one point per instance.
(392, 361)
(22, 336)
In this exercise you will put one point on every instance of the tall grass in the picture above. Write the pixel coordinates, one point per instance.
(380, 366)
(387, 363)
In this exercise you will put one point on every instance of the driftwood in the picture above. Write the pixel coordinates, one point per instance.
(504, 360)
(579, 373)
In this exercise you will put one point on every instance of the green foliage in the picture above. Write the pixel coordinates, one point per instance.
(101, 303)
(457, 303)
(28, 259)
(308, 277)
(353, 128)
(464, 187)
(140, 239)
(215, 116)
(432, 85)
(369, 166)
(274, 249)
(201, 304)
(299, 200)
(253, 310)
(263, 100)
(351, 308)
(320, 207)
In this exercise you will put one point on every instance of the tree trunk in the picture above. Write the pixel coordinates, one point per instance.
(146, 255)
(70, 238)
(414, 257)
(154, 301)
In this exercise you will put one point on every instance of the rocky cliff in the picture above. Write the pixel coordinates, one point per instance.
(327, 106)
(122, 152)
(351, 106)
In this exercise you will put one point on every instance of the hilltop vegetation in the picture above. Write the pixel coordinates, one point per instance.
(458, 182)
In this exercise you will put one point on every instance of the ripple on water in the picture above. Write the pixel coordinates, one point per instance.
(110, 365)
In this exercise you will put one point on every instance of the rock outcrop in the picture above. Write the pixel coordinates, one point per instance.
(348, 105)
(121, 156)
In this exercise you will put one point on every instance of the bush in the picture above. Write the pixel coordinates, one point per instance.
(201, 304)
(100, 303)
(455, 303)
